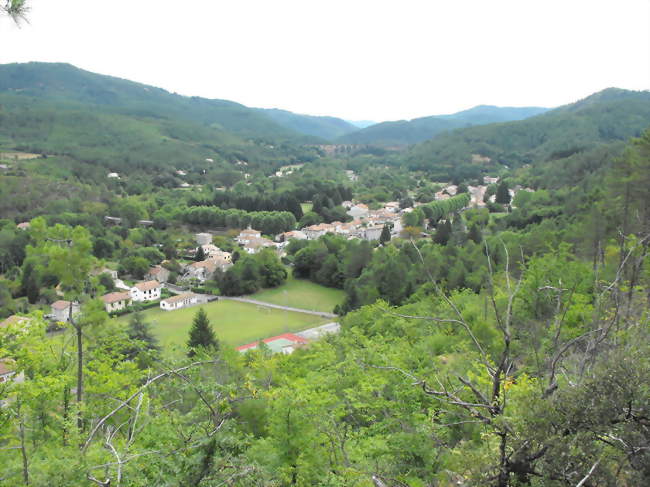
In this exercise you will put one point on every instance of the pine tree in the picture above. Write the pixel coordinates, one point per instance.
(139, 332)
(443, 233)
(200, 254)
(201, 334)
(474, 233)
(385, 235)
(503, 194)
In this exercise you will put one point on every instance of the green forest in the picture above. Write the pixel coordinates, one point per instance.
(491, 340)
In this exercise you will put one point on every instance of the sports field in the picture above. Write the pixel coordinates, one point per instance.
(300, 293)
(233, 322)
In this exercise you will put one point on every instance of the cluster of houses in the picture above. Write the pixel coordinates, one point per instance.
(477, 193)
(366, 224)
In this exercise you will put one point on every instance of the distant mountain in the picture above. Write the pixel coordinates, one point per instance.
(362, 124)
(484, 114)
(407, 132)
(326, 127)
(58, 82)
(605, 117)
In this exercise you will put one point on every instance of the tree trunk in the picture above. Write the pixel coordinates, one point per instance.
(23, 451)
(80, 369)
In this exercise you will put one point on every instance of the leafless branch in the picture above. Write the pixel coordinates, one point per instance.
(136, 393)
(589, 474)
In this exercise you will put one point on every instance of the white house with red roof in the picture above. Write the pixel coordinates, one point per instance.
(61, 310)
(146, 291)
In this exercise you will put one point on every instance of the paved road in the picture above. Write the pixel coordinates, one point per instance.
(277, 306)
(319, 331)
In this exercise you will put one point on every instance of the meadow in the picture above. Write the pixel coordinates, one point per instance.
(233, 322)
(300, 293)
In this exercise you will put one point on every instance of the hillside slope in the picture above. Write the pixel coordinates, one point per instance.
(325, 127)
(56, 82)
(407, 132)
(608, 116)
(57, 109)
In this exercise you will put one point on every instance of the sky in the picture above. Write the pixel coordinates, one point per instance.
(355, 59)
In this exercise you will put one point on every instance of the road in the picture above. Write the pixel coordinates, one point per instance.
(277, 306)
(319, 331)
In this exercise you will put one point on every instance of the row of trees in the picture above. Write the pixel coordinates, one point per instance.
(268, 222)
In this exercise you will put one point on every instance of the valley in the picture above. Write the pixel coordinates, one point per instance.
(197, 292)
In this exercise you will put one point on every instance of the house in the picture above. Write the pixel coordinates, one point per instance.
(116, 301)
(113, 175)
(146, 291)
(23, 226)
(294, 234)
(212, 251)
(254, 245)
(285, 343)
(203, 238)
(392, 206)
(246, 235)
(157, 273)
(180, 301)
(489, 180)
(113, 220)
(180, 172)
(315, 231)
(145, 223)
(358, 211)
(104, 270)
(15, 321)
(205, 269)
(8, 373)
(61, 310)
(373, 233)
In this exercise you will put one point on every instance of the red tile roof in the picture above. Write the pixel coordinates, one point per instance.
(147, 285)
(111, 298)
(60, 304)
(286, 336)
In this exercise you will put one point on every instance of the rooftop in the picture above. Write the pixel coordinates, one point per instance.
(276, 343)
(147, 285)
(60, 304)
(115, 297)
(178, 297)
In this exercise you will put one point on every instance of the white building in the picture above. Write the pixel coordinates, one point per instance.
(203, 238)
(180, 301)
(358, 211)
(146, 291)
(61, 310)
(373, 233)
(7, 373)
(247, 235)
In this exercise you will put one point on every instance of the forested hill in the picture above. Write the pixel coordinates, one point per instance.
(57, 109)
(325, 127)
(58, 82)
(406, 132)
(611, 115)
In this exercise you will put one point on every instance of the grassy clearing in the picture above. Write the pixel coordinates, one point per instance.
(299, 293)
(306, 207)
(234, 323)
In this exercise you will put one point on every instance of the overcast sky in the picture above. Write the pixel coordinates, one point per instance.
(355, 59)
